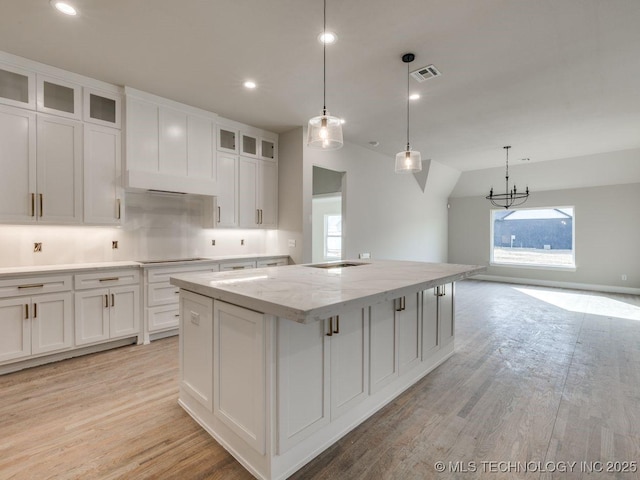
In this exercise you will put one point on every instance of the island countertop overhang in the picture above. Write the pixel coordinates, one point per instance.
(305, 294)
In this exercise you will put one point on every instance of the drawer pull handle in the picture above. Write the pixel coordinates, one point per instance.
(113, 300)
(177, 315)
(106, 301)
(176, 292)
(337, 330)
(33, 285)
(274, 264)
(330, 334)
(110, 279)
(237, 268)
(26, 311)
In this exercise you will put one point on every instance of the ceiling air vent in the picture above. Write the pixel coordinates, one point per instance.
(425, 73)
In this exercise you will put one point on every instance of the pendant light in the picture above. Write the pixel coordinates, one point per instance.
(511, 198)
(324, 131)
(408, 161)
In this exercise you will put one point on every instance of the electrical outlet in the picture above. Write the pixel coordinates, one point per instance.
(213, 243)
(114, 244)
(624, 277)
(242, 242)
(292, 243)
(37, 247)
(365, 256)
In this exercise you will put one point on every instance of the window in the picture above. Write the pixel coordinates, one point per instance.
(542, 237)
(333, 236)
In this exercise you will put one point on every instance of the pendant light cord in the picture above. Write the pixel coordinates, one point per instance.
(408, 146)
(324, 60)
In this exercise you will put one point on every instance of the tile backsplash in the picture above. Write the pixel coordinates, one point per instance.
(156, 226)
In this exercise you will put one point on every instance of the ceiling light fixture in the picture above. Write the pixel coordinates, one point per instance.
(327, 37)
(324, 131)
(249, 84)
(511, 198)
(64, 7)
(408, 161)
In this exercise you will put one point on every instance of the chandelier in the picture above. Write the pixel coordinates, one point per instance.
(511, 198)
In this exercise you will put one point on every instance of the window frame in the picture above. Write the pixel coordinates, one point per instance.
(535, 266)
(327, 236)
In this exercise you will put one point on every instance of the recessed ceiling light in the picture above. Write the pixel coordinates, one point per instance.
(64, 7)
(414, 96)
(374, 143)
(328, 38)
(250, 84)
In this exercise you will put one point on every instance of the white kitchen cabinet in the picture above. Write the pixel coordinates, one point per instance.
(102, 108)
(110, 312)
(438, 318)
(383, 334)
(249, 145)
(227, 139)
(272, 262)
(257, 193)
(201, 149)
(409, 318)
(196, 347)
(227, 198)
(268, 149)
(37, 324)
(103, 191)
(237, 265)
(59, 170)
(239, 366)
(58, 97)
(322, 372)
(18, 165)
(17, 86)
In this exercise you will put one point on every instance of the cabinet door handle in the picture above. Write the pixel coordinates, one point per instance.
(119, 204)
(330, 334)
(41, 205)
(436, 291)
(35, 310)
(113, 300)
(177, 315)
(218, 214)
(257, 216)
(106, 301)
(444, 291)
(32, 285)
(397, 305)
(33, 204)
(403, 303)
(26, 311)
(177, 292)
(337, 330)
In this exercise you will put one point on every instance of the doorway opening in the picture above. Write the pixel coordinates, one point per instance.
(328, 215)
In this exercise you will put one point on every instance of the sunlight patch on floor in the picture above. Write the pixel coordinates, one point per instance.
(589, 303)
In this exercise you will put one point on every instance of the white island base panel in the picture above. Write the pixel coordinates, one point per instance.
(275, 393)
(277, 467)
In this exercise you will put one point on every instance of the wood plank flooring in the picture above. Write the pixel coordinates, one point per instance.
(539, 375)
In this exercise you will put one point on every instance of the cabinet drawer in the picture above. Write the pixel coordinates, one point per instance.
(106, 278)
(237, 266)
(34, 285)
(273, 262)
(162, 294)
(163, 318)
(155, 275)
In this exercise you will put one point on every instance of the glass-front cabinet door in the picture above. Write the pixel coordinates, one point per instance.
(227, 140)
(268, 151)
(58, 97)
(249, 145)
(102, 108)
(17, 87)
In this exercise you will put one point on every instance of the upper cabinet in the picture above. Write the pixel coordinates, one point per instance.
(58, 166)
(227, 139)
(58, 97)
(17, 87)
(102, 108)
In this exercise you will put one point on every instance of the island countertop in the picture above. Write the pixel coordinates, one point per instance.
(305, 293)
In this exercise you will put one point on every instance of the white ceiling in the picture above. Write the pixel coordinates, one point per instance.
(552, 78)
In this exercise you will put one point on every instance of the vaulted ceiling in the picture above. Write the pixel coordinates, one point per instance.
(554, 79)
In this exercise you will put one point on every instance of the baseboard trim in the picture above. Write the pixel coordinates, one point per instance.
(556, 284)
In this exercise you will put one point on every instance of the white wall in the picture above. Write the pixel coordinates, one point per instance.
(156, 227)
(387, 215)
(607, 236)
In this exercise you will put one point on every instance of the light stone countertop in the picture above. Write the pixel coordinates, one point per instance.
(306, 294)
(25, 270)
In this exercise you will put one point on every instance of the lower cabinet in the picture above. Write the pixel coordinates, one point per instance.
(109, 312)
(322, 372)
(35, 325)
(438, 318)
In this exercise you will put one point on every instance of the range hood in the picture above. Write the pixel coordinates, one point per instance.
(158, 182)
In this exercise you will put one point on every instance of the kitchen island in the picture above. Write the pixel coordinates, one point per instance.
(278, 363)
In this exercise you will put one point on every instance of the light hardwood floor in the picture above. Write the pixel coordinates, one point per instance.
(539, 375)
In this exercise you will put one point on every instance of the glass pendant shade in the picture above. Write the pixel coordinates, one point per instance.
(325, 132)
(408, 161)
